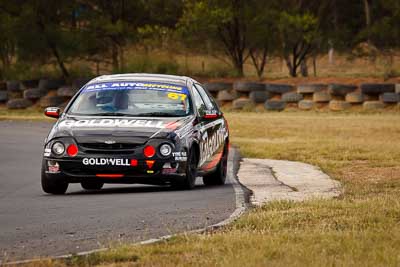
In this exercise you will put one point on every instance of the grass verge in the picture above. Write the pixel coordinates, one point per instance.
(33, 114)
(362, 227)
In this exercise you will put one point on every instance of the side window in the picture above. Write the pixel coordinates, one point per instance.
(199, 103)
(206, 98)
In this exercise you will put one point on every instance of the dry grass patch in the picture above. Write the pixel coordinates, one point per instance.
(361, 228)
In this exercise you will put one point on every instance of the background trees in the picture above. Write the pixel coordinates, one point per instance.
(40, 32)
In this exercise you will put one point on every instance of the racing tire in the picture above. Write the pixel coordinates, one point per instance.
(13, 86)
(19, 103)
(53, 186)
(341, 89)
(3, 96)
(66, 91)
(397, 88)
(189, 181)
(292, 97)
(377, 88)
(354, 98)
(92, 185)
(3, 86)
(274, 105)
(321, 97)
(247, 87)
(216, 87)
(310, 88)
(278, 88)
(259, 96)
(29, 84)
(218, 177)
(389, 98)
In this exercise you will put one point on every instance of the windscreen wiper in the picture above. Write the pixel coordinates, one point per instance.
(109, 114)
(160, 114)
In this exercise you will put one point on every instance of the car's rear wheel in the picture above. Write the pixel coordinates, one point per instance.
(53, 186)
(218, 177)
(92, 185)
(191, 173)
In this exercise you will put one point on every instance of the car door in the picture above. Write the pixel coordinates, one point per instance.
(212, 130)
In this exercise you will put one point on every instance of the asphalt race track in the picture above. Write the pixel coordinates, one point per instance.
(34, 224)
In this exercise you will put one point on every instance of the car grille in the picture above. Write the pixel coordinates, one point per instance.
(103, 148)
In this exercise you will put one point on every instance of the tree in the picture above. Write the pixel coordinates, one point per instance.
(263, 37)
(113, 24)
(221, 22)
(298, 35)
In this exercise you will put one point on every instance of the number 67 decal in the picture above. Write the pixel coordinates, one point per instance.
(177, 96)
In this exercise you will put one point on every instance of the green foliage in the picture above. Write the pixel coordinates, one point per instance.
(147, 64)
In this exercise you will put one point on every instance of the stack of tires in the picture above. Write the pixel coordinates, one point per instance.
(222, 91)
(43, 93)
(15, 93)
(378, 95)
(248, 95)
(343, 96)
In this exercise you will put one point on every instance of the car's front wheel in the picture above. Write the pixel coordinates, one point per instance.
(92, 185)
(53, 185)
(189, 181)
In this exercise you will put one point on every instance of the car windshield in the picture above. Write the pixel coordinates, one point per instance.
(132, 99)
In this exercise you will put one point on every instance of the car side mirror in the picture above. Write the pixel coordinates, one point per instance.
(52, 112)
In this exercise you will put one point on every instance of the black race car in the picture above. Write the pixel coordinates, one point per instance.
(136, 128)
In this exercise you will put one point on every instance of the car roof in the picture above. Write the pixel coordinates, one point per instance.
(143, 77)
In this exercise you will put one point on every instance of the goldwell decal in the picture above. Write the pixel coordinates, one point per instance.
(123, 123)
(210, 144)
(106, 162)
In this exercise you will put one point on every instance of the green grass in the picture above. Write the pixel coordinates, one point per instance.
(23, 114)
(360, 228)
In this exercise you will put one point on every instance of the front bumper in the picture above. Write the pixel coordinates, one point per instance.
(146, 171)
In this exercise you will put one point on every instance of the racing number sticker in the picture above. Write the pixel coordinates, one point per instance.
(177, 96)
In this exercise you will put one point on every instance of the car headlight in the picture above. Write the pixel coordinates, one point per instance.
(165, 150)
(58, 148)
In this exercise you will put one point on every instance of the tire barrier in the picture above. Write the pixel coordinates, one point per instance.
(247, 87)
(355, 98)
(377, 88)
(29, 84)
(216, 87)
(13, 86)
(241, 103)
(19, 103)
(310, 88)
(340, 89)
(373, 105)
(51, 101)
(226, 95)
(321, 97)
(33, 94)
(236, 95)
(292, 97)
(3, 96)
(339, 105)
(276, 105)
(279, 88)
(259, 96)
(306, 104)
(389, 98)
(50, 84)
(3, 86)
(66, 91)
